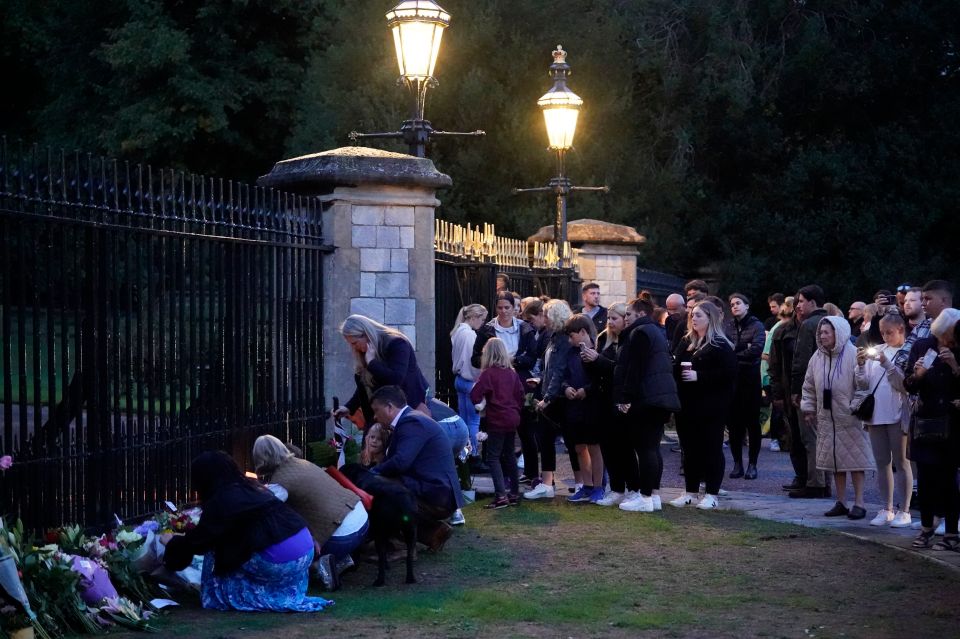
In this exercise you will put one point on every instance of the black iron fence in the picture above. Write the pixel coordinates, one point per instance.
(466, 267)
(146, 315)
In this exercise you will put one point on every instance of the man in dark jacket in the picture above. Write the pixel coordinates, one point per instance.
(746, 333)
(590, 294)
(809, 300)
(645, 391)
(782, 346)
(419, 456)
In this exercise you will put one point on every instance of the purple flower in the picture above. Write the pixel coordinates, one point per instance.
(6, 462)
(148, 526)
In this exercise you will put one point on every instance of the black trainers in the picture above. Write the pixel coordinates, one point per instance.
(838, 510)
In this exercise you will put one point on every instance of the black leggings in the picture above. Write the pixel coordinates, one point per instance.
(745, 419)
(546, 432)
(644, 463)
(527, 432)
(703, 459)
(613, 450)
(937, 487)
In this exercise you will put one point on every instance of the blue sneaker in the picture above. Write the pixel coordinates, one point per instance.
(583, 494)
(596, 495)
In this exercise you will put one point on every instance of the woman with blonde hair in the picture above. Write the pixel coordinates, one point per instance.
(335, 516)
(462, 337)
(706, 371)
(556, 313)
(500, 392)
(383, 356)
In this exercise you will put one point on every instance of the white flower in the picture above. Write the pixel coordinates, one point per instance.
(128, 536)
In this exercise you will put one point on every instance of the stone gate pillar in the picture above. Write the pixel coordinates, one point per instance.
(378, 213)
(607, 254)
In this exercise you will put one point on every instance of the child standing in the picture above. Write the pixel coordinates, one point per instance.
(500, 388)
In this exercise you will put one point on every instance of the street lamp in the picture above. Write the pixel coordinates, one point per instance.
(561, 108)
(417, 27)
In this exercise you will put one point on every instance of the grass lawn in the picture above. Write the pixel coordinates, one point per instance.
(563, 570)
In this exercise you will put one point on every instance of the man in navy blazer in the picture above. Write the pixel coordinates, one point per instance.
(419, 456)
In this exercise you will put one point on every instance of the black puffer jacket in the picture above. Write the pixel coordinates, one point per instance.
(643, 374)
(708, 399)
(748, 336)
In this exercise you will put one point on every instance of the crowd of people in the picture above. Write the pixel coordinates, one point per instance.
(879, 389)
(876, 390)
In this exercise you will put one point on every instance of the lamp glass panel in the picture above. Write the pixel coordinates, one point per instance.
(561, 126)
(418, 44)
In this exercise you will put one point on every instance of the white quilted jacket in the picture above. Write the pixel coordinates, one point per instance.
(842, 444)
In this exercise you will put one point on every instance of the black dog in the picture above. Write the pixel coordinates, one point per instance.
(394, 512)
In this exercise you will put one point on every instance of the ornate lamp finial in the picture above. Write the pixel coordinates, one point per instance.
(559, 56)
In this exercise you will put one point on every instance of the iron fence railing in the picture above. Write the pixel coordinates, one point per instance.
(146, 315)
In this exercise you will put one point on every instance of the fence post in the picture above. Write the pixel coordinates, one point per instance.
(378, 212)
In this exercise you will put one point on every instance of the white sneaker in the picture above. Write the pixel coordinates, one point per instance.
(774, 446)
(612, 498)
(638, 504)
(709, 502)
(901, 520)
(941, 528)
(457, 518)
(916, 525)
(657, 502)
(883, 518)
(685, 499)
(542, 491)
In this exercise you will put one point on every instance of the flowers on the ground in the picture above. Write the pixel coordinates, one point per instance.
(6, 462)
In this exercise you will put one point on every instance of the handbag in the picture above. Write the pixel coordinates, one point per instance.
(862, 405)
(930, 429)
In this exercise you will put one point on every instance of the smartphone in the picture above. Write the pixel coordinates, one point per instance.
(929, 357)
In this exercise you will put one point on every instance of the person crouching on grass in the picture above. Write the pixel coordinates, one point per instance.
(499, 393)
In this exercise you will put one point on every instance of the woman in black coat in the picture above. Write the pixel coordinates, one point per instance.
(257, 549)
(383, 356)
(705, 370)
(747, 334)
(937, 458)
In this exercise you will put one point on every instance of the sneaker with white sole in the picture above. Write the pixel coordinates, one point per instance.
(901, 520)
(709, 502)
(685, 499)
(941, 528)
(542, 491)
(612, 498)
(639, 504)
(457, 518)
(582, 494)
(657, 502)
(774, 446)
(596, 495)
(883, 518)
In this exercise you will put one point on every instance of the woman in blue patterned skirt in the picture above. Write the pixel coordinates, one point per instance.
(256, 549)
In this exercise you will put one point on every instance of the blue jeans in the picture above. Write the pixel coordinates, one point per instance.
(342, 546)
(467, 412)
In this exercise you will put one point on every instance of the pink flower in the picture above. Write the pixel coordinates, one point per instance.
(6, 462)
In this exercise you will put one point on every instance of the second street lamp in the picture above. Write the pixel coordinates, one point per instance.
(561, 109)
(417, 27)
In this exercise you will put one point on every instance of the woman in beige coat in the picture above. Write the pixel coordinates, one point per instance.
(842, 444)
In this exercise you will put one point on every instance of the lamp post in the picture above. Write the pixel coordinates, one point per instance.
(417, 27)
(561, 108)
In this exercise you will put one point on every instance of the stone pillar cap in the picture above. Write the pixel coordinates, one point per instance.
(352, 166)
(592, 232)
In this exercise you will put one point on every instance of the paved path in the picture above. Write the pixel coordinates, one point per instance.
(765, 499)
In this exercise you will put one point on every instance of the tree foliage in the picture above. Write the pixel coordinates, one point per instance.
(770, 142)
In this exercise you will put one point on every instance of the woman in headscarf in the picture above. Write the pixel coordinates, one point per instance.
(256, 549)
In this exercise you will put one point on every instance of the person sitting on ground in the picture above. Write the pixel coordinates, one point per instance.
(419, 456)
(828, 387)
(335, 516)
(888, 425)
(257, 549)
(500, 392)
(375, 442)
